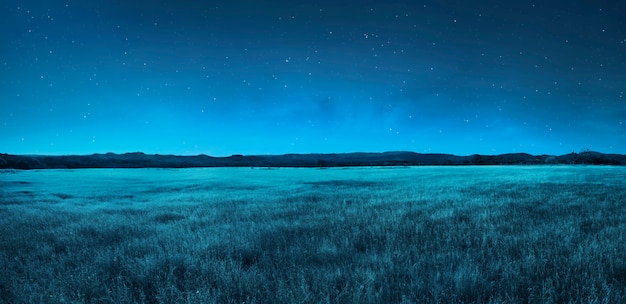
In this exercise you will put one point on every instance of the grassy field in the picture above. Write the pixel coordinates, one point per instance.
(547, 234)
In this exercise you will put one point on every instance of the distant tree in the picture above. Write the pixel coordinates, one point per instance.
(478, 159)
(21, 165)
(551, 160)
(585, 156)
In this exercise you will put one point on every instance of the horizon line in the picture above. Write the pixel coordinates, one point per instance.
(313, 153)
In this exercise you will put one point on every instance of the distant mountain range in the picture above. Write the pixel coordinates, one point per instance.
(141, 160)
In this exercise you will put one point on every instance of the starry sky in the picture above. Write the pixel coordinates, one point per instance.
(313, 76)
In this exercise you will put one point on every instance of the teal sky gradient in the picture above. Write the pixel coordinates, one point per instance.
(273, 77)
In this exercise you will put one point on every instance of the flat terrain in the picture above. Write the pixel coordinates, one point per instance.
(536, 234)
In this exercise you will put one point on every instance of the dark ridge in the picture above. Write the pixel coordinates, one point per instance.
(141, 160)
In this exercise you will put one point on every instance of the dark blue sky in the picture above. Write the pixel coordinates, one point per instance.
(257, 77)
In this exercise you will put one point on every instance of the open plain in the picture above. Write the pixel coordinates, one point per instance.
(492, 234)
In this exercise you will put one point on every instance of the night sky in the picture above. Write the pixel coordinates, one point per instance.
(256, 77)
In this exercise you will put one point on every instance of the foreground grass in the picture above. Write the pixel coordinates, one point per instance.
(414, 235)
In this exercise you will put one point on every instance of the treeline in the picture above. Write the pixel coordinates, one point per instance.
(141, 160)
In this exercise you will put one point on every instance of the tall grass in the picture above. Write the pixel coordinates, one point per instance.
(361, 235)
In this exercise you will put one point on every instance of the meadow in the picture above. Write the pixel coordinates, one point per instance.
(492, 234)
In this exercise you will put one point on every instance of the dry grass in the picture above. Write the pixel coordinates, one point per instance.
(362, 235)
